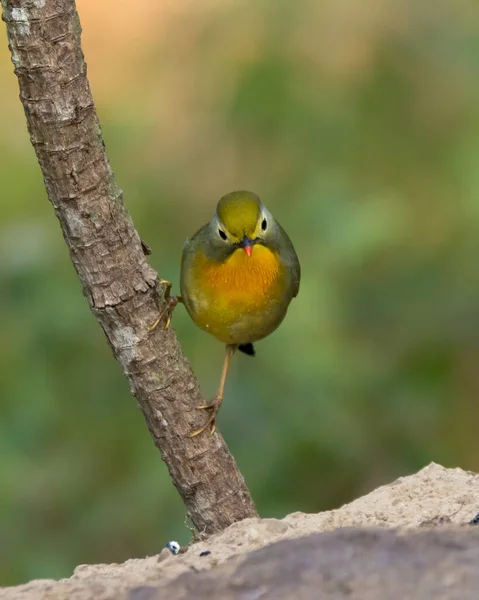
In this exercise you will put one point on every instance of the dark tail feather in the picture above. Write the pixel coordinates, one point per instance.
(247, 349)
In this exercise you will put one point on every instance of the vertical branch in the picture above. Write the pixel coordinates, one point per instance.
(121, 288)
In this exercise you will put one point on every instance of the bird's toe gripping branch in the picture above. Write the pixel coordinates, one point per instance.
(170, 303)
(211, 422)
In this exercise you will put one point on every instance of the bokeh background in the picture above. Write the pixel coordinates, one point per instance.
(357, 122)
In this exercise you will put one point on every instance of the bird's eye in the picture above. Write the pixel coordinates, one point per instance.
(222, 234)
(264, 224)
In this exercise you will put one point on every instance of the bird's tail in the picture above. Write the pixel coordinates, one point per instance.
(247, 349)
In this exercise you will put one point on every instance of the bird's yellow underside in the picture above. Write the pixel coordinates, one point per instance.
(234, 299)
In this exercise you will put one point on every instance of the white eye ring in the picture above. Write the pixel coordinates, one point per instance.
(264, 224)
(222, 235)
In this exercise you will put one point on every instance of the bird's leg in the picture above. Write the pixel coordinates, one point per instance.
(170, 304)
(216, 404)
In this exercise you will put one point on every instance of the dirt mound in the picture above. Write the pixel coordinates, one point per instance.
(431, 552)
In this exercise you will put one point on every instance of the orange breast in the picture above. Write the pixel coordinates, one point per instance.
(242, 279)
(240, 300)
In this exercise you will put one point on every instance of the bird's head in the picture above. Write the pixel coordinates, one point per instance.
(241, 221)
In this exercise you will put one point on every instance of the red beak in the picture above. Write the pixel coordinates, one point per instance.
(247, 245)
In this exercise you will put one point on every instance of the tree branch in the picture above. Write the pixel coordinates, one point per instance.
(121, 288)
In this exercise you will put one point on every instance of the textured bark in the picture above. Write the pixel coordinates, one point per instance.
(121, 288)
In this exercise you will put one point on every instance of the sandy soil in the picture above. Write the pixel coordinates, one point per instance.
(409, 539)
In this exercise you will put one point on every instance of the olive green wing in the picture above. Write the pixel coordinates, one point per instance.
(187, 258)
(290, 259)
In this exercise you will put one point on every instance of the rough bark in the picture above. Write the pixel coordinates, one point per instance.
(121, 288)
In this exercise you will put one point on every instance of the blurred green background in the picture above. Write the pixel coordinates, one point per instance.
(357, 122)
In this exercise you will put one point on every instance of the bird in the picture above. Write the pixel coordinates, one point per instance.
(238, 275)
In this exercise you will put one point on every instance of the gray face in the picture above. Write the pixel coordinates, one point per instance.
(220, 244)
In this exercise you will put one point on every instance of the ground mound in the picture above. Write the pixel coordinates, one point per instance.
(409, 539)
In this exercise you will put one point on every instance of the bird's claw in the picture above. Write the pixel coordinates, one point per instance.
(201, 429)
(170, 303)
(211, 422)
(159, 319)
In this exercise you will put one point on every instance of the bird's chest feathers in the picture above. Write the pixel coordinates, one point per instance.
(244, 280)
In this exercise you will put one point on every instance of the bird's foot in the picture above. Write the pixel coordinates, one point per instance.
(170, 304)
(211, 422)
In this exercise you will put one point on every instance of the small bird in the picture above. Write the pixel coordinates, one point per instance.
(238, 275)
